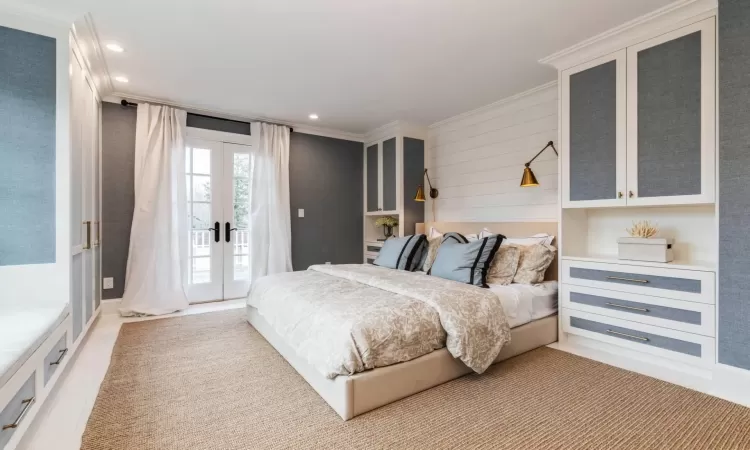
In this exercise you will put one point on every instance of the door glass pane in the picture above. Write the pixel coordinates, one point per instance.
(241, 165)
(188, 153)
(201, 216)
(241, 215)
(201, 242)
(201, 188)
(201, 270)
(202, 161)
(241, 267)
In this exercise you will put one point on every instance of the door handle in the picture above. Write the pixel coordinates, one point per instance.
(228, 231)
(87, 246)
(217, 231)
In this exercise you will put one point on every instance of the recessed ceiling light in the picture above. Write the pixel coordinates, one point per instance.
(115, 47)
(313, 116)
(121, 79)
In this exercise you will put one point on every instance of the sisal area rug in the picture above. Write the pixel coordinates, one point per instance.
(212, 382)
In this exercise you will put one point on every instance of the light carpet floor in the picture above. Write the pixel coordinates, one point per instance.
(212, 382)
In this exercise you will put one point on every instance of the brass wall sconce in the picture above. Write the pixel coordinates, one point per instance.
(528, 179)
(420, 190)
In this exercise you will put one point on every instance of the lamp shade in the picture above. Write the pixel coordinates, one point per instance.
(420, 194)
(528, 180)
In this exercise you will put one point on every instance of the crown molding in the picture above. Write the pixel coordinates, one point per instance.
(494, 105)
(399, 127)
(89, 46)
(632, 32)
(116, 97)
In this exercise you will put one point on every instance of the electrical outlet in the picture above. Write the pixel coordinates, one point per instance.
(109, 283)
(328, 262)
(300, 213)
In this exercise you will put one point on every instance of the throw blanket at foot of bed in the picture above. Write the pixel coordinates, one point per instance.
(345, 319)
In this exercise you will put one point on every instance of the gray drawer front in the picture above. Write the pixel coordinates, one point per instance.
(55, 357)
(652, 281)
(372, 248)
(654, 340)
(661, 312)
(15, 408)
(370, 260)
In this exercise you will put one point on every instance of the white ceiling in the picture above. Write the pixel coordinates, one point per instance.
(357, 63)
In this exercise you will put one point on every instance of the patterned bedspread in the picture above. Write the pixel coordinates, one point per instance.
(345, 319)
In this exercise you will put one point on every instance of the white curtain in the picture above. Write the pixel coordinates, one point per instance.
(157, 262)
(270, 221)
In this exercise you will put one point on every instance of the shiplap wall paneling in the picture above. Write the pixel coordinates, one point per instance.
(476, 161)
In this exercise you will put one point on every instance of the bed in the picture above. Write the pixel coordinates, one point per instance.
(364, 382)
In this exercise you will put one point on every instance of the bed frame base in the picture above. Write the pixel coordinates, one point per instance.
(356, 394)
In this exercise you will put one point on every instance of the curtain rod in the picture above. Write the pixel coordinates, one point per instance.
(126, 104)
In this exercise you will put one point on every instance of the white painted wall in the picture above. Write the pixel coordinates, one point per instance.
(476, 161)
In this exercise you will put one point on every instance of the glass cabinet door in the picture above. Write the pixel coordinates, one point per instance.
(371, 156)
(389, 175)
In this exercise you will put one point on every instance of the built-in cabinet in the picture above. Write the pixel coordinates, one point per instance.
(638, 124)
(393, 169)
(638, 142)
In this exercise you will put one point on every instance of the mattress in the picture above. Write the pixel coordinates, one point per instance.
(524, 303)
(22, 331)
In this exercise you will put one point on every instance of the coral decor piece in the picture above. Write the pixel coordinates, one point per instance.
(643, 229)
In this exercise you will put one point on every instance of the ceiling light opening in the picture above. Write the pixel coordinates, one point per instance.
(115, 47)
(313, 116)
(121, 79)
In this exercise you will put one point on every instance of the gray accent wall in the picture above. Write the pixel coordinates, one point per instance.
(413, 177)
(734, 186)
(325, 179)
(118, 165)
(669, 118)
(593, 133)
(27, 148)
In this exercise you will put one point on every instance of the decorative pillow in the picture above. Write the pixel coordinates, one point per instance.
(465, 262)
(504, 265)
(434, 232)
(540, 238)
(403, 253)
(534, 261)
(433, 244)
(455, 237)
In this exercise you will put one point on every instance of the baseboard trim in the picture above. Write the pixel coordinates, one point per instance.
(718, 380)
(111, 306)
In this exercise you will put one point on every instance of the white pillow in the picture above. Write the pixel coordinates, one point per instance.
(540, 238)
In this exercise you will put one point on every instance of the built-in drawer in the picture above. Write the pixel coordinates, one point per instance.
(370, 257)
(14, 413)
(680, 284)
(373, 248)
(662, 342)
(55, 357)
(691, 317)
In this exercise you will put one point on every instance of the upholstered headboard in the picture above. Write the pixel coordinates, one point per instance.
(507, 229)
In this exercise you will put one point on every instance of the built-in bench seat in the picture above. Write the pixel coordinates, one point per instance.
(23, 330)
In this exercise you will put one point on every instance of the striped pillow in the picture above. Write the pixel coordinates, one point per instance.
(402, 253)
(465, 262)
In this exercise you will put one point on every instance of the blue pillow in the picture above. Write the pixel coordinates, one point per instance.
(465, 262)
(403, 253)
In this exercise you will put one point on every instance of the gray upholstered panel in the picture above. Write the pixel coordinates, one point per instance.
(389, 175)
(54, 357)
(593, 138)
(372, 177)
(76, 296)
(27, 145)
(217, 124)
(734, 186)
(413, 176)
(657, 311)
(654, 340)
(656, 282)
(669, 118)
(15, 407)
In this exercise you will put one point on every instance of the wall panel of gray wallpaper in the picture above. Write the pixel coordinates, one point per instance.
(27, 148)
(734, 186)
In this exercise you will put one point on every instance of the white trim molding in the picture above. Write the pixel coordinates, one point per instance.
(632, 32)
(87, 40)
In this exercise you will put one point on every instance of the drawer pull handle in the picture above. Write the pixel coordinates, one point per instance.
(640, 338)
(628, 279)
(628, 307)
(27, 404)
(62, 355)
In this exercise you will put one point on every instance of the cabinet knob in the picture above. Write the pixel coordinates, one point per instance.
(631, 194)
(619, 194)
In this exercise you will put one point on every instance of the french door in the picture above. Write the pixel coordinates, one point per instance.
(218, 198)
